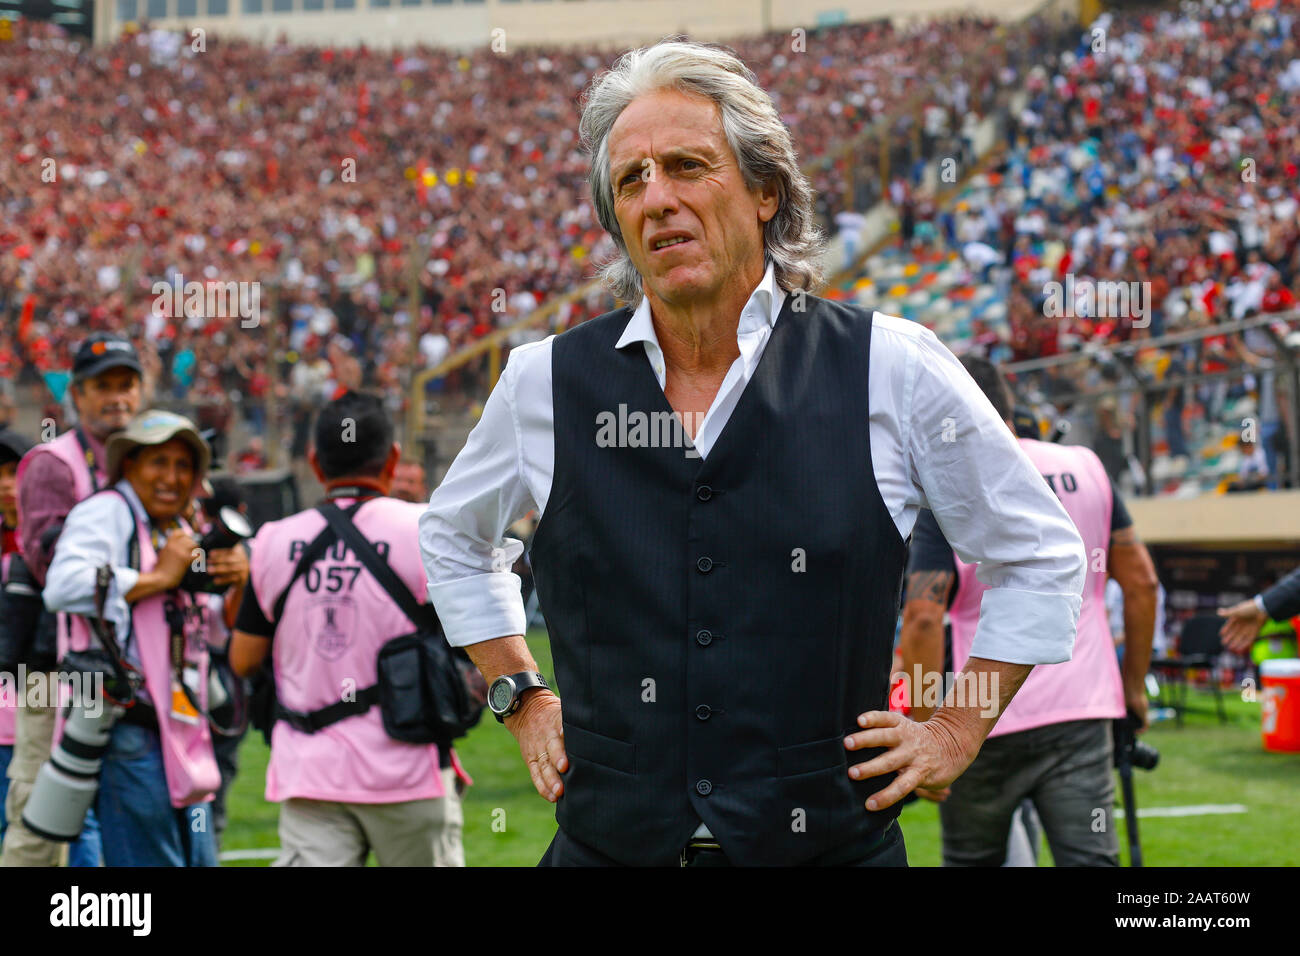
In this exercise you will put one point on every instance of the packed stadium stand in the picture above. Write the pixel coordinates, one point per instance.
(394, 213)
(1166, 160)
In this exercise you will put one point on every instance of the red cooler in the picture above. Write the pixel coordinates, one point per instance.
(1280, 684)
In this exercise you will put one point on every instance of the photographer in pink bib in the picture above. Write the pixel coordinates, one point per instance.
(124, 570)
(1052, 746)
(345, 786)
(107, 389)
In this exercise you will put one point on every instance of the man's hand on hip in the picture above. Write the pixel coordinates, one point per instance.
(925, 755)
(935, 753)
(540, 732)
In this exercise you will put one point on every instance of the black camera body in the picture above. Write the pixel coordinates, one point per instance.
(1131, 751)
(120, 685)
(228, 529)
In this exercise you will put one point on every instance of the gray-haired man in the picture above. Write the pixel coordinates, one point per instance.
(722, 594)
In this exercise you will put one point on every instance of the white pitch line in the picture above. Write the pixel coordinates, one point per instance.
(1197, 810)
(269, 853)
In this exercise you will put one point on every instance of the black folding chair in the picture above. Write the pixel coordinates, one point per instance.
(1199, 648)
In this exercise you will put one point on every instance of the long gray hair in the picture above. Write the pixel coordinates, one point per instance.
(754, 131)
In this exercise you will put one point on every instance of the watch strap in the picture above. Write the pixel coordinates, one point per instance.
(524, 680)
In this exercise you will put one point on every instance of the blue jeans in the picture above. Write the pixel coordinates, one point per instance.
(139, 825)
(86, 850)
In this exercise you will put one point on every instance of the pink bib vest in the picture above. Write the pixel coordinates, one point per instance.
(189, 762)
(326, 645)
(1088, 686)
(68, 450)
(10, 693)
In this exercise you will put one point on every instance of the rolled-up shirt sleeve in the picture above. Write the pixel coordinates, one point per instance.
(996, 510)
(467, 559)
(97, 533)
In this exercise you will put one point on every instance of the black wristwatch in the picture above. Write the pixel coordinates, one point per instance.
(504, 694)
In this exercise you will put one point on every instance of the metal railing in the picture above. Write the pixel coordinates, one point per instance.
(1130, 381)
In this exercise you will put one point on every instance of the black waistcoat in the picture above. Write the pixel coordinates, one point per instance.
(718, 624)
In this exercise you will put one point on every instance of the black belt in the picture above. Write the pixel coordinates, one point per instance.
(141, 714)
(310, 723)
(702, 851)
(706, 851)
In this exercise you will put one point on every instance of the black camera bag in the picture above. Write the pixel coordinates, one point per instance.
(427, 691)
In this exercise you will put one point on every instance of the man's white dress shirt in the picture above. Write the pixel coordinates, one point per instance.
(936, 442)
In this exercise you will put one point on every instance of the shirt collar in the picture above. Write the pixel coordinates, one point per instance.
(137, 506)
(760, 312)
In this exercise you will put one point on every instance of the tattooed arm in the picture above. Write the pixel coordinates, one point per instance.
(921, 641)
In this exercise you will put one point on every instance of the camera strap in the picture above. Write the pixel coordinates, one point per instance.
(186, 705)
(133, 561)
(89, 454)
(103, 631)
(99, 625)
(310, 555)
(421, 615)
(339, 525)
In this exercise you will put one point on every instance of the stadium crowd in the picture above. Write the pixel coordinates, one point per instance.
(1162, 152)
(232, 164)
(1127, 163)
(353, 183)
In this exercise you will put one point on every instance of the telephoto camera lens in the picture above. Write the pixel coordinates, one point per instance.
(66, 783)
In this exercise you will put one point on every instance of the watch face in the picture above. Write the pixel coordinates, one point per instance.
(500, 695)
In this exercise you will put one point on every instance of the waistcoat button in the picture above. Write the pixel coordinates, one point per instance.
(704, 493)
(703, 788)
(704, 637)
(704, 711)
(704, 565)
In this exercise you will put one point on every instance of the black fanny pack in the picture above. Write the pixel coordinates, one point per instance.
(427, 691)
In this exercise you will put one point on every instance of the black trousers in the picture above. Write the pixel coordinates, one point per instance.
(880, 849)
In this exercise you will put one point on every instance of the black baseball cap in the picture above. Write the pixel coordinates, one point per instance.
(1026, 423)
(102, 351)
(12, 446)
